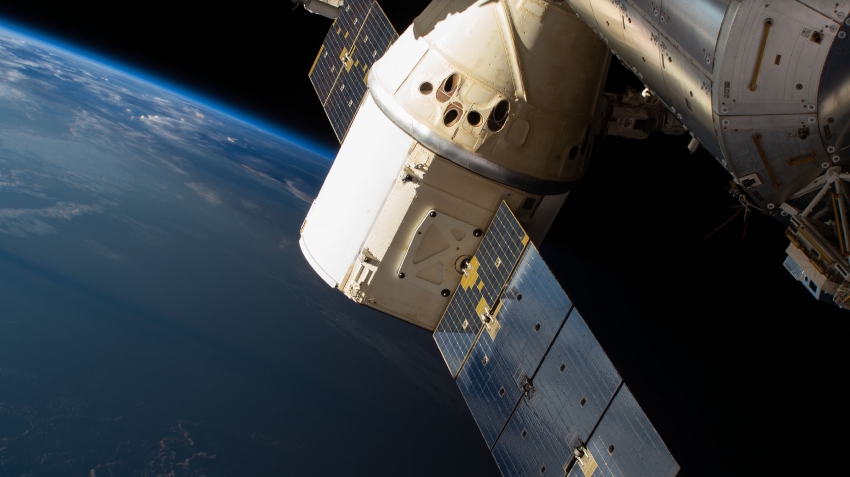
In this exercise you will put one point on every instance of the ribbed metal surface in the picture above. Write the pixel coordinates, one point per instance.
(490, 268)
(357, 39)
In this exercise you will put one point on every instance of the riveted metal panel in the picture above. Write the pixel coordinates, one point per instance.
(645, 46)
(575, 383)
(609, 17)
(689, 97)
(625, 443)
(790, 63)
(649, 9)
(693, 27)
(584, 10)
(528, 446)
(834, 97)
(511, 347)
(834, 9)
(488, 271)
(787, 142)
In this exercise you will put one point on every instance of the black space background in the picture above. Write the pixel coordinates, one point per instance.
(737, 366)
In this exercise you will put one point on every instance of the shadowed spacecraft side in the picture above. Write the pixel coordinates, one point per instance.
(462, 137)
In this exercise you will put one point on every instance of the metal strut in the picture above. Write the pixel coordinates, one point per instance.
(767, 24)
(821, 239)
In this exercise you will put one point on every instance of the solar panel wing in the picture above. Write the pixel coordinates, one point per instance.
(480, 287)
(626, 443)
(528, 446)
(575, 383)
(358, 38)
(538, 383)
(506, 356)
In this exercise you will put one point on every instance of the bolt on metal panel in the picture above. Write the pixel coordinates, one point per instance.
(584, 10)
(836, 10)
(771, 61)
(834, 97)
(609, 17)
(693, 25)
(645, 45)
(689, 93)
(777, 148)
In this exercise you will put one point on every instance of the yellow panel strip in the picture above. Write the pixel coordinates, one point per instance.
(767, 24)
(316, 60)
(773, 178)
(472, 274)
(801, 160)
(482, 307)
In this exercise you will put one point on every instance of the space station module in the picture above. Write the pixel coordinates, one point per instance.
(482, 107)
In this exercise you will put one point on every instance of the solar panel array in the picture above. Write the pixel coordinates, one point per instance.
(358, 38)
(481, 285)
(546, 398)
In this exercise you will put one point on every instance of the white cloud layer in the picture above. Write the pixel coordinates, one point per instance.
(24, 222)
(204, 192)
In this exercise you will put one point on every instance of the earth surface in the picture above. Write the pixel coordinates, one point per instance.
(156, 314)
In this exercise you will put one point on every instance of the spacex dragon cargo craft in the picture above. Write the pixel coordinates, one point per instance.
(462, 137)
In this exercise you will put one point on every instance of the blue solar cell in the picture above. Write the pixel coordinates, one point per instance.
(527, 447)
(498, 253)
(625, 443)
(358, 38)
(575, 382)
(488, 384)
(536, 380)
(508, 353)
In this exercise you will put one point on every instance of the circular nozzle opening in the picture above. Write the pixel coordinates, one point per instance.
(448, 88)
(498, 116)
(452, 114)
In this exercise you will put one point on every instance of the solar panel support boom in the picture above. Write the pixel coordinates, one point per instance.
(319, 7)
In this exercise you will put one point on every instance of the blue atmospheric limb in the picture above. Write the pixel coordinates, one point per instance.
(177, 88)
